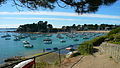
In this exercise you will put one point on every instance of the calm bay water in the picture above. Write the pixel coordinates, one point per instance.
(10, 48)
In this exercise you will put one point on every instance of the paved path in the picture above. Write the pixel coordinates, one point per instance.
(97, 61)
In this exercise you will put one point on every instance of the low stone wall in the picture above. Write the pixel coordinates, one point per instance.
(112, 50)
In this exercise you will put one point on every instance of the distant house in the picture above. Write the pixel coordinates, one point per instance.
(107, 28)
(85, 28)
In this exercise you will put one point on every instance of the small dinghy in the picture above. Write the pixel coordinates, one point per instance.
(25, 64)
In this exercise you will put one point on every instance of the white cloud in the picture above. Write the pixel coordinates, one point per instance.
(60, 14)
(23, 18)
(9, 25)
(63, 19)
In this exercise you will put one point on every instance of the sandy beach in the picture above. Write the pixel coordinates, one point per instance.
(94, 31)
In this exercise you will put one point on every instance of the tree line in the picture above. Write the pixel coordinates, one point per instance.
(90, 27)
(43, 26)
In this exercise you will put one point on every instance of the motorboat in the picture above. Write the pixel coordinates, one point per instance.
(55, 48)
(49, 35)
(28, 46)
(85, 38)
(26, 42)
(48, 49)
(47, 41)
(7, 38)
(76, 39)
(33, 37)
(62, 41)
(7, 35)
(16, 39)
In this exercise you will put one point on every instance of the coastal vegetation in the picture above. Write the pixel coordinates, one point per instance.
(112, 37)
(44, 27)
(86, 47)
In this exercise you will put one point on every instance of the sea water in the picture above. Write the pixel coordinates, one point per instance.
(10, 48)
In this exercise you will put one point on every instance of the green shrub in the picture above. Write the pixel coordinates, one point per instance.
(111, 37)
(116, 38)
(86, 48)
(98, 40)
(114, 31)
(115, 42)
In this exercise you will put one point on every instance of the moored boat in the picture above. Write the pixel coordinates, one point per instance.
(26, 42)
(28, 46)
(47, 41)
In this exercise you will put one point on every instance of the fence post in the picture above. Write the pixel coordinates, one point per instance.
(59, 57)
(34, 62)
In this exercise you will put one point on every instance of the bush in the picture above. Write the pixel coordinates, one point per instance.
(111, 37)
(116, 38)
(98, 40)
(86, 48)
(114, 31)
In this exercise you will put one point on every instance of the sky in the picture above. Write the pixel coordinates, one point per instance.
(11, 17)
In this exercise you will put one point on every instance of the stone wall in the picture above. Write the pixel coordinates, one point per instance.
(112, 50)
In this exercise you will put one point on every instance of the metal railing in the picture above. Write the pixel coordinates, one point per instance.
(57, 52)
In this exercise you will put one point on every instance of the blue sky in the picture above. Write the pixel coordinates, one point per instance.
(11, 17)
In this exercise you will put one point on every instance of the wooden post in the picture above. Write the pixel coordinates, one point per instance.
(59, 57)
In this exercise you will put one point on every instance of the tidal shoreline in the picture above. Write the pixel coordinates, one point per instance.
(94, 31)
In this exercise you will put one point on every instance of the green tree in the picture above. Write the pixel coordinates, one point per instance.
(80, 6)
(49, 26)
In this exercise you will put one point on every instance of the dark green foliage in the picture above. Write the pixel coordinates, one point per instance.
(75, 54)
(38, 27)
(86, 48)
(80, 6)
(114, 31)
(110, 37)
(117, 38)
(114, 36)
(98, 40)
(90, 27)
